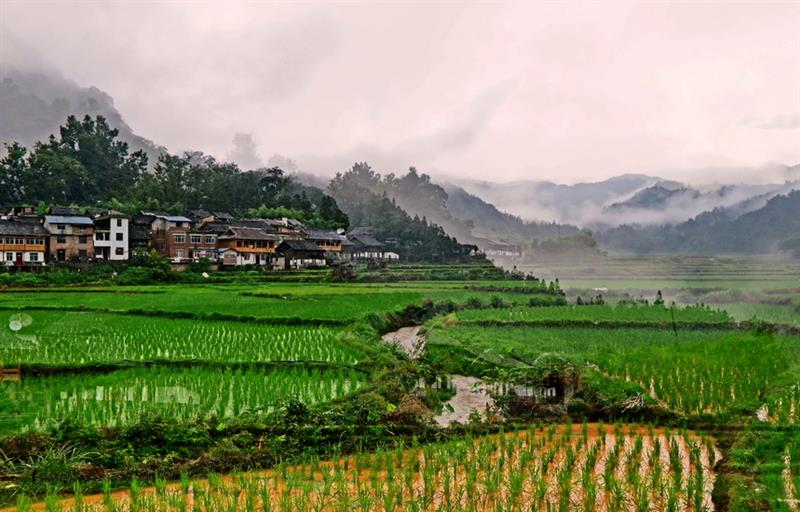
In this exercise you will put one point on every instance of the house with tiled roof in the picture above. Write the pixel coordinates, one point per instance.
(23, 243)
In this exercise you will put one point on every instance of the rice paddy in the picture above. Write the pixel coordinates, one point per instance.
(182, 394)
(559, 467)
(82, 339)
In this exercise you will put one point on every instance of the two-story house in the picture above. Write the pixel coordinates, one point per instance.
(246, 246)
(23, 242)
(71, 237)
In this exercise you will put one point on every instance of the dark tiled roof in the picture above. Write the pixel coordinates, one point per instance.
(364, 241)
(215, 227)
(21, 228)
(360, 231)
(323, 234)
(76, 220)
(235, 233)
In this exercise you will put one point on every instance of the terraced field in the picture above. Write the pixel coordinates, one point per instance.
(574, 467)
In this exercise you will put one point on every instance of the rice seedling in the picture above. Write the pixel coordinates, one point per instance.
(180, 394)
(538, 469)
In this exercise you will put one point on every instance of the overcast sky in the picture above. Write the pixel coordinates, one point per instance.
(559, 91)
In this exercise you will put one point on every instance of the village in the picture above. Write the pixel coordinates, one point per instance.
(69, 236)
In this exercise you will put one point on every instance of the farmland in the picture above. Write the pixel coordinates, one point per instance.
(591, 467)
(282, 393)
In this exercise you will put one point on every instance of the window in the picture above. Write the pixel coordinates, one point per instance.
(98, 251)
(120, 237)
(180, 239)
(9, 256)
(61, 239)
(119, 223)
(61, 227)
(195, 239)
(179, 253)
(82, 254)
(34, 256)
(38, 241)
(82, 239)
(19, 241)
(119, 251)
(211, 239)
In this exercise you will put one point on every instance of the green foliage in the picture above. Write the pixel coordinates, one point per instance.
(414, 239)
(88, 165)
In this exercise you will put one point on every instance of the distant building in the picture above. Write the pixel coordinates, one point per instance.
(499, 248)
(23, 243)
(362, 246)
(71, 237)
(301, 254)
(328, 240)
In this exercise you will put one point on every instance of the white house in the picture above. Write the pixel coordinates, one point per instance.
(111, 236)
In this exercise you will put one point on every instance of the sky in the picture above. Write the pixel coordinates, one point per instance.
(561, 91)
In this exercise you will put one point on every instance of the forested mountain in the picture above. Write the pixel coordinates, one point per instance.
(356, 193)
(775, 227)
(87, 164)
(35, 104)
(489, 222)
(547, 201)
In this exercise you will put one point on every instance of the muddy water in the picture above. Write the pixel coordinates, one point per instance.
(408, 340)
(472, 394)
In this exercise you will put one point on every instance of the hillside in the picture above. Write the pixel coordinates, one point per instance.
(774, 227)
(489, 222)
(35, 104)
(414, 237)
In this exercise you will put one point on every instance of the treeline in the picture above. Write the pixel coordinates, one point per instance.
(86, 164)
(413, 237)
(773, 228)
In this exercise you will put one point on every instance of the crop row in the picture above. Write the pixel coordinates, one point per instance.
(323, 302)
(179, 394)
(82, 339)
(694, 372)
(560, 468)
(623, 313)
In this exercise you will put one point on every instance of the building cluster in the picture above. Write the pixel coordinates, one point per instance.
(68, 235)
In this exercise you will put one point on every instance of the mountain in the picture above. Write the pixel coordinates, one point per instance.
(35, 104)
(773, 227)
(548, 201)
(489, 222)
(413, 237)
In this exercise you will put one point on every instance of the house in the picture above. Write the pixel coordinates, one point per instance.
(169, 235)
(362, 246)
(201, 216)
(139, 233)
(329, 241)
(499, 248)
(111, 236)
(23, 242)
(301, 254)
(71, 237)
(246, 246)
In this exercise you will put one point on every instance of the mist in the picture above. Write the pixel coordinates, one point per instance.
(566, 93)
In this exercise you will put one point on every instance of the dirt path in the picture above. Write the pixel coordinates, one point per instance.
(408, 339)
(471, 395)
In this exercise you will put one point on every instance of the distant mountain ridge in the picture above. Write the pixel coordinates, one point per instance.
(773, 227)
(35, 104)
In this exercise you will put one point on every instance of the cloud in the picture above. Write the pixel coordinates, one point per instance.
(782, 122)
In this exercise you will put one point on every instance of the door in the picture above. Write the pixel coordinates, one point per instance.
(19, 258)
(61, 255)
